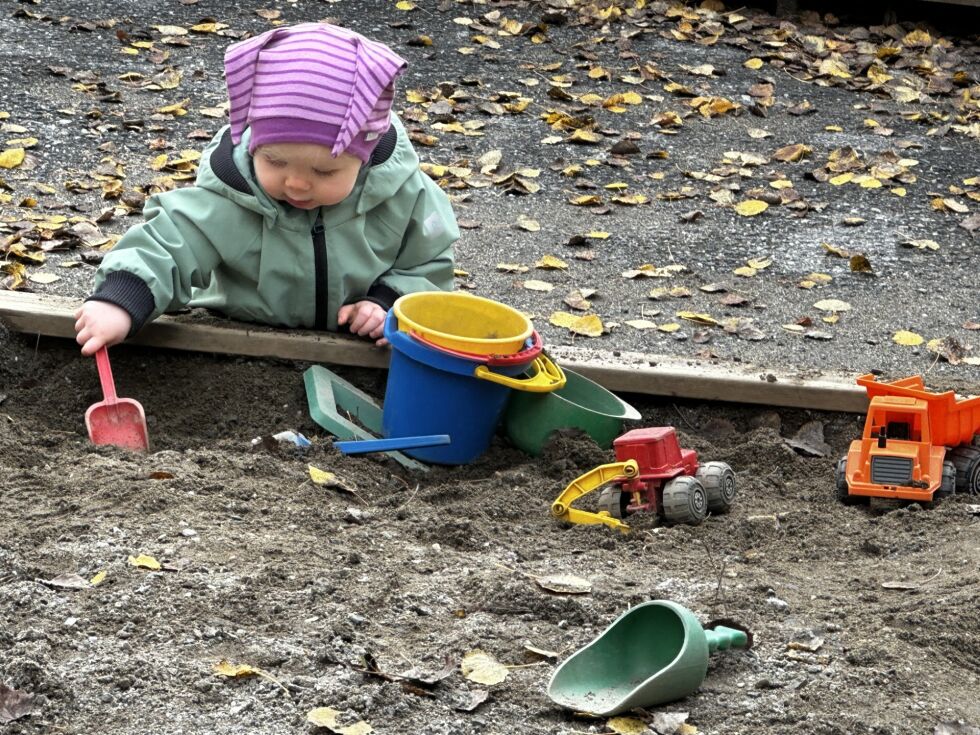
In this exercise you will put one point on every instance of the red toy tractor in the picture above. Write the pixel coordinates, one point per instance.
(653, 474)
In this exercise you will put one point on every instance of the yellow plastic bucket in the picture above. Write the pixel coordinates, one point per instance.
(463, 322)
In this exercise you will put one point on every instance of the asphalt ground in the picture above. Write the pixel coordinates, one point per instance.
(95, 83)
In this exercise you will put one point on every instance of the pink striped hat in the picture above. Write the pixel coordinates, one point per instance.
(312, 83)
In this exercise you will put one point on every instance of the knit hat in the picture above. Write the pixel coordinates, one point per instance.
(312, 83)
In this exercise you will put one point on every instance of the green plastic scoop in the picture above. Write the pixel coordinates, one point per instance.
(654, 653)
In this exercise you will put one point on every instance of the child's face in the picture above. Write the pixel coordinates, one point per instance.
(305, 174)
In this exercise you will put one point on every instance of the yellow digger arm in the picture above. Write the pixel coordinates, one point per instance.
(593, 480)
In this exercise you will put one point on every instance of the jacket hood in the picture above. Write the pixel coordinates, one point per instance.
(375, 182)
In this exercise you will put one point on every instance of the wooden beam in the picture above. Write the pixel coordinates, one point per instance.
(624, 372)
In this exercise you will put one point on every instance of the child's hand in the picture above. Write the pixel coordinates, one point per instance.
(366, 319)
(100, 324)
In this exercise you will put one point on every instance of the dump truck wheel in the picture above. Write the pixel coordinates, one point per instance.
(948, 485)
(967, 463)
(840, 484)
(614, 501)
(718, 481)
(685, 501)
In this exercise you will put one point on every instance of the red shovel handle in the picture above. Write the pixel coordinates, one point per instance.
(105, 375)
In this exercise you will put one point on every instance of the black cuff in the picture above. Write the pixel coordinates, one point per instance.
(130, 293)
(383, 296)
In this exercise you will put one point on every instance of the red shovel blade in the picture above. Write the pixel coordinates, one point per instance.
(116, 421)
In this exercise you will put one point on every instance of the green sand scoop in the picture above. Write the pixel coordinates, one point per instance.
(653, 653)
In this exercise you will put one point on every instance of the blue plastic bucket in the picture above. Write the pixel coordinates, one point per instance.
(433, 391)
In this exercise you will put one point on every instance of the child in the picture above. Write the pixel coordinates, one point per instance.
(309, 210)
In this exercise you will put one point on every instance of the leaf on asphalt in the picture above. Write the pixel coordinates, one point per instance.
(734, 299)
(330, 718)
(14, 704)
(669, 328)
(512, 268)
(482, 668)
(834, 250)
(565, 584)
(948, 349)
(641, 324)
(583, 136)
(16, 276)
(562, 319)
(834, 305)
(144, 561)
(921, 244)
(98, 579)
(585, 200)
(753, 63)
(589, 325)
(12, 157)
(815, 279)
(859, 263)
(751, 207)
(528, 224)
(579, 299)
(677, 292)
(908, 339)
(713, 288)
(534, 285)
(550, 262)
(630, 199)
(792, 153)
(43, 278)
(972, 223)
(698, 318)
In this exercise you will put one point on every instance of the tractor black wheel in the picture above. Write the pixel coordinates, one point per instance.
(684, 501)
(614, 501)
(967, 463)
(718, 481)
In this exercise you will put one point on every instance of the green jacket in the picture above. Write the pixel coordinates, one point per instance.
(225, 244)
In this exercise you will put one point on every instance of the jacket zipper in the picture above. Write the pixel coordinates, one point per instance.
(320, 273)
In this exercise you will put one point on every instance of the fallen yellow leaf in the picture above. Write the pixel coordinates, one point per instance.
(832, 305)
(12, 157)
(627, 726)
(589, 325)
(909, 339)
(330, 718)
(751, 207)
(482, 668)
(145, 562)
(321, 477)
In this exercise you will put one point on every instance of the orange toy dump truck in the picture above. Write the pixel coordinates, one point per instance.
(917, 445)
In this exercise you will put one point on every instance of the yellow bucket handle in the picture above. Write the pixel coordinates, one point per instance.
(548, 376)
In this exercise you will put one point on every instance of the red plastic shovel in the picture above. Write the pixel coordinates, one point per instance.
(117, 421)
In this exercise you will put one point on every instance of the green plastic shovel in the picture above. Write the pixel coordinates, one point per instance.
(654, 653)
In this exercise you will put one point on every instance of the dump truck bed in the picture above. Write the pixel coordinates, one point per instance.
(952, 421)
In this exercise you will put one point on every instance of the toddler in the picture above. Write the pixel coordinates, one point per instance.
(309, 209)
